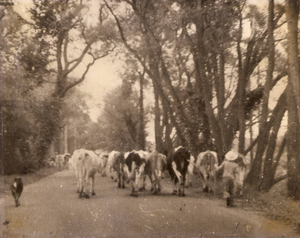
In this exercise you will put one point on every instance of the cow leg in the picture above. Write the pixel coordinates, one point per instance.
(133, 192)
(144, 182)
(182, 185)
(174, 187)
(123, 180)
(116, 176)
(85, 186)
(111, 173)
(93, 185)
(154, 183)
(78, 182)
(119, 180)
(151, 181)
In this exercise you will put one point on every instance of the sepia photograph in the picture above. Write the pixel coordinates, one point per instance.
(149, 119)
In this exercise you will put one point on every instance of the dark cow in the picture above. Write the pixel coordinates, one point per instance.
(156, 164)
(178, 163)
(205, 164)
(134, 169)
(118, 166)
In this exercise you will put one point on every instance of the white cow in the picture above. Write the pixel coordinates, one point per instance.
(112, 157)
(241, 173)
(86, 164)
(62, 161)
(190, 172)
(206, 162)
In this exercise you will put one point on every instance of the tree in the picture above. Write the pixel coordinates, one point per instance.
(293, 99)
(117, 126)
(66, 42)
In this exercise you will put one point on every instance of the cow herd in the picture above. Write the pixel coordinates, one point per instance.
(136, 166)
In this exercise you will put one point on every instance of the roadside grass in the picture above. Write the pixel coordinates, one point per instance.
(7, 180)
(274, 205)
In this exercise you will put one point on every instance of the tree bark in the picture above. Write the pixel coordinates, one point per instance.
(293, 140)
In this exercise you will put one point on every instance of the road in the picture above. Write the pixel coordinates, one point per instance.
(51, 208)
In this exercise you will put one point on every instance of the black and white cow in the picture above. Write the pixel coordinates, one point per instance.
(178, 163)
(134, 169)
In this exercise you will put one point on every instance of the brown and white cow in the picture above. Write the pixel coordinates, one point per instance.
(110, 163)
(156, 163)
(103, 156)
(62, 161)
(205, 163)
(241, 173)
(118, 166)
(177, 165)
(134, 169)
(191, 172)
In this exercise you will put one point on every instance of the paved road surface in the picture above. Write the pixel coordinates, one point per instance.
(51, 208)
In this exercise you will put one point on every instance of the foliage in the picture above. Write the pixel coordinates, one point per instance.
(117, 125)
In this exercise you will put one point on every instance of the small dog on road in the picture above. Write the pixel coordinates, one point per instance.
(16, 190)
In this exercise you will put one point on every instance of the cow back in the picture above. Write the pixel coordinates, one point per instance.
(181, 158)
(134, 157)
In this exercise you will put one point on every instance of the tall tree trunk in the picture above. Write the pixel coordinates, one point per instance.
(66, 139)
(141, 130)
(293, 140)
(157, 126)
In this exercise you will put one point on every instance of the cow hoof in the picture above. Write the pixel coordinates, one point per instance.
(174, 193)
(134, 195)
(182, 195)
(123, 186)
(93, 193)
(86, 196)
(151, 190)
(119, 185)
(205, 190)
(140, 189)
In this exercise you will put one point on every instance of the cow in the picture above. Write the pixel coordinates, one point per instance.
(118, 166)
(177, 165)
(110, 162)
(240, 173)
(62, 161)
(156, 164)
(103, 157)
(134, 169)
(190, 172)
(205, 164)
(86, 164)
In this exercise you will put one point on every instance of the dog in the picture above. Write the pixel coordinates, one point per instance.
(16, 190)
